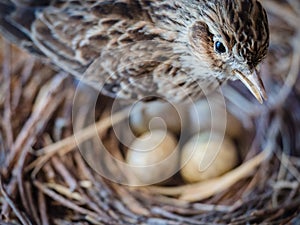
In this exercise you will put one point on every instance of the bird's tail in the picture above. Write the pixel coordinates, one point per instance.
(15, 23)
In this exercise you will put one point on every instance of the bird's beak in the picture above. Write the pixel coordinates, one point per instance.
(254, 84)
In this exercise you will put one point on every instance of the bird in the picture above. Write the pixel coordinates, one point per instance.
(145, 49)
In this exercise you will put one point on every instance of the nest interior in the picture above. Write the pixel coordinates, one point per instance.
(45, 179)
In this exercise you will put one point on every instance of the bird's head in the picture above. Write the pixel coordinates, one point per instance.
(232, 37)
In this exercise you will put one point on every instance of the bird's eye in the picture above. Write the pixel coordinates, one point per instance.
(220, 48)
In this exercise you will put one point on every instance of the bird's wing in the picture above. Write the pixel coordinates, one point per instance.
(111, 44)
(142, 69)
(73, 33)
(114, 45)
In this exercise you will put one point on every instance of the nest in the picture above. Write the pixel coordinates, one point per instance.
(45, 179)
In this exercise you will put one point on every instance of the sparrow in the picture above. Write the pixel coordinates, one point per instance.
(143, 49)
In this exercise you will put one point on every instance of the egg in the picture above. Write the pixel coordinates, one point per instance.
(211, 114)
(153, 157)
(207, 155)
(156, 115)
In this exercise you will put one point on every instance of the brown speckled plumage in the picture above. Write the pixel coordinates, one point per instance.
(137, 48)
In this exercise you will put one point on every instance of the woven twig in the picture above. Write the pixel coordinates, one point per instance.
(45, 179)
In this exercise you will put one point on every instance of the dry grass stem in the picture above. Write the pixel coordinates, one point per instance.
(44, 179)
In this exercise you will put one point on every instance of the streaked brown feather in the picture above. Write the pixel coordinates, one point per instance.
(136, 48)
